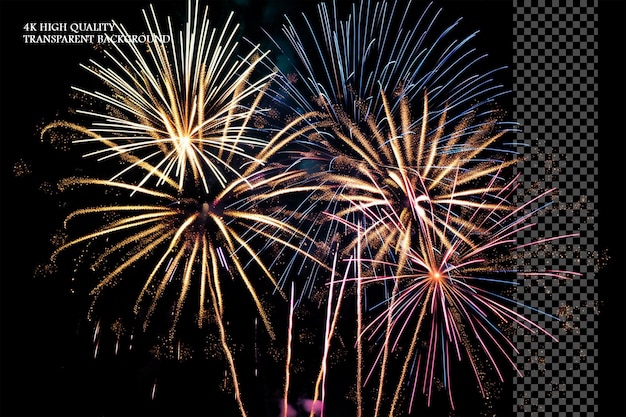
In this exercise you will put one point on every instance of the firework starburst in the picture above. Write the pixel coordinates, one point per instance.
(180, 109)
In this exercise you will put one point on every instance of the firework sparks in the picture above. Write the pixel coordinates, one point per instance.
(188, 245)
(415, 178)
(181, 112)
(422, 200)
(417, 204)
(343, 64)
(197, 196)
(445, 295)
(361, 76)
(196, 238)
(180, 108)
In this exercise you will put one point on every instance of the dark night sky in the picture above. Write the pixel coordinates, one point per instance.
(47, 366)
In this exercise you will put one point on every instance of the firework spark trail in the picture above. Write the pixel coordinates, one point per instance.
(359, 329)
(331, 325)
(289, 350)
(228, 353)
(385, 351)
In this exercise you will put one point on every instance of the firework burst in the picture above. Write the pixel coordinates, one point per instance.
(198, 198)
(187, 114)
(344, 64)
(422, 204)
(180, 109)
(188, 245)
(425, 176)
(449, 297)
(362, 76)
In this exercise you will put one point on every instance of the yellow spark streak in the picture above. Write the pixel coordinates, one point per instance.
(409, 354)
(329, 333)
(97, 234)
(359, 328)
(403, 245)
(289, 341)
(242, 274)
(369, 154)
(354, 183)
(95, 210)
(205, 277)
(380, 140)
(458, 161)
(260, 263)
(407, 134)
(185, 284)
(90, 181)
(133, 160)
(216, 281)
(244, 184)
(422, 139)
(227, 352)
(434, 142)
(138, 237)
(174, 264)
(383, 365)
(393, 139)
(164, 281)
(477, 173)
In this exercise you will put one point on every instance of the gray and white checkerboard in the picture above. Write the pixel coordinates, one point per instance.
(555, 101)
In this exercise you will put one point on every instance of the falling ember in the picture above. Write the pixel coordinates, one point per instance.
(96, 339)
(289, 353)
(256, 347)
(153, 390)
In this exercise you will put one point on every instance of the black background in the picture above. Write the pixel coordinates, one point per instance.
(47, 354)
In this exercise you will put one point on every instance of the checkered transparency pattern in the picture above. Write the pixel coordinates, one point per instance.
(555, 101)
